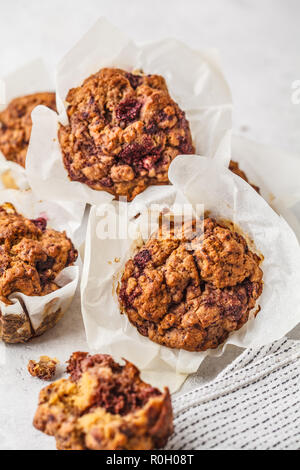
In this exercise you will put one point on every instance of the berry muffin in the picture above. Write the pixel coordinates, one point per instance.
(31, 256)
(124, 131)
(16, 124)
(104, 406)
(191, 285)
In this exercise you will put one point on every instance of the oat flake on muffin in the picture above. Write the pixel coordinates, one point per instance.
(44, 369)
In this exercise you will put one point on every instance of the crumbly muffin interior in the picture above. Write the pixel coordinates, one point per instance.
(119, 388)
(44, 369)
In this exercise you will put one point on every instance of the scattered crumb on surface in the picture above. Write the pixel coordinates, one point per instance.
(44, 369)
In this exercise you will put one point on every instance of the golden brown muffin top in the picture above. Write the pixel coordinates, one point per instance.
(31, 256)
(188, 287)
(124, 130)
(16, 124)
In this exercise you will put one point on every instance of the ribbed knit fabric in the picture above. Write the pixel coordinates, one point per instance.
(253, 404)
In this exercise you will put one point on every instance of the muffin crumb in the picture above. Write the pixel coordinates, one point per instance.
(44, 369)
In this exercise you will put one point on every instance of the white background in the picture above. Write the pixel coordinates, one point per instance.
(259, 41)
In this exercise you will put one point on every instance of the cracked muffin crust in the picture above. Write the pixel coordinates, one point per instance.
(44, 369)
(104, 406)
(189, 286)
(124, 130)
(16, 124)
(31, 256)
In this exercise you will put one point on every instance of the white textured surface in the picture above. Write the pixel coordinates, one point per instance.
(259, 44)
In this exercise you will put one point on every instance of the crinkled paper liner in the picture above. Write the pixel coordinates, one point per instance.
(194, 79)
(226, 196)
(31, 78)
(276, 172)
(29, 316)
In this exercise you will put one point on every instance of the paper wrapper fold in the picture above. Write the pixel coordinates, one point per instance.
(276, 172)
(194, 79)
(226, 196)
(29, 316)
(31, 78)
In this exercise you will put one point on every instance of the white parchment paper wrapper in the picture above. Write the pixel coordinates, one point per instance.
(276, 172)
(194, 79)
(226, 196)
(31, 78)
(36, 314)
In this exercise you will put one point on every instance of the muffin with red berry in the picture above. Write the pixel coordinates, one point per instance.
(104, 406)
(124, 130)
(31, 257)
(191, 285)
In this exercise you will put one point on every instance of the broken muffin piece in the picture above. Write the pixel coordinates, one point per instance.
(191, 285)
(235, 168)
(44, 369)
(124, 131)
(104, 406)
(16, 124)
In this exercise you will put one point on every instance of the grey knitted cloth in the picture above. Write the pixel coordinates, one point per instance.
(253, 404)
